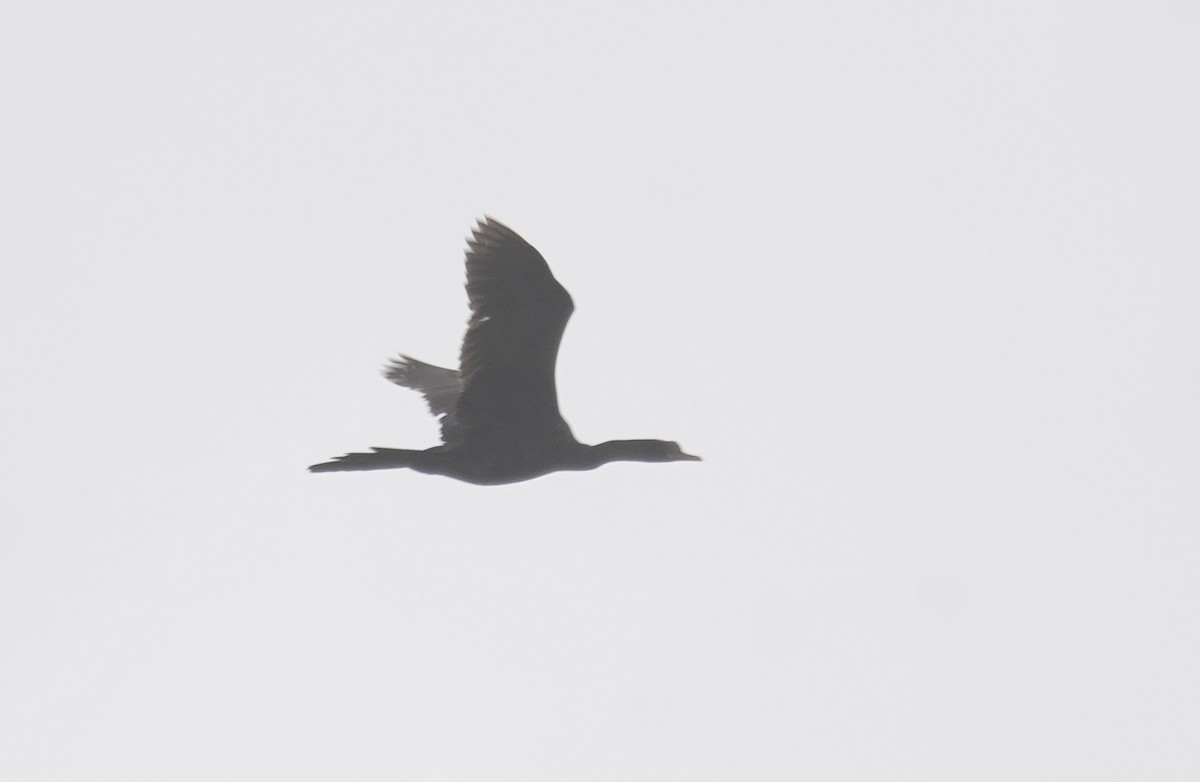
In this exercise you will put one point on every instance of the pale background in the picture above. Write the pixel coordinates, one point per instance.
(919, 281)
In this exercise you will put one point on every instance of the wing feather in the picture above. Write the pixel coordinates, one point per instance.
(518, 314)
(440, 387)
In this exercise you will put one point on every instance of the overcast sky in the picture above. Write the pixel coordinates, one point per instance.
(919, 281)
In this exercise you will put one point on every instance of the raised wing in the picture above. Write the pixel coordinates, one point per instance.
(439, 386)
(518, 313)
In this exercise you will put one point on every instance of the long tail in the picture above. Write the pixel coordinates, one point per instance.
(378, 459)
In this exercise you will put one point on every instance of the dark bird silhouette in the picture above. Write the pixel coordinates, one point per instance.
(499, 411)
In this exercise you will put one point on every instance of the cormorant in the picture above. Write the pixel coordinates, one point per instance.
(499, 411)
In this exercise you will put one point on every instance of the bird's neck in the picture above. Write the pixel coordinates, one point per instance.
(621, 451)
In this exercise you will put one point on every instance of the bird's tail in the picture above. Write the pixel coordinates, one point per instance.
(378, 459)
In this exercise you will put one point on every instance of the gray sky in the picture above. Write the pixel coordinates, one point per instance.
(919, 282)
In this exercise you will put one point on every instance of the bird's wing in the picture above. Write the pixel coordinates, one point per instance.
(518, 313)
(438, 385)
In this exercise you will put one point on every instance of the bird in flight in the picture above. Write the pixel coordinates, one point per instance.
(499, 410)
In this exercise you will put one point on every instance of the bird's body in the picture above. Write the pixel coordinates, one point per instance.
(508, 462)
(499, 412)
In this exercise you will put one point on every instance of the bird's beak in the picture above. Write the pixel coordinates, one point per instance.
(687, 457)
